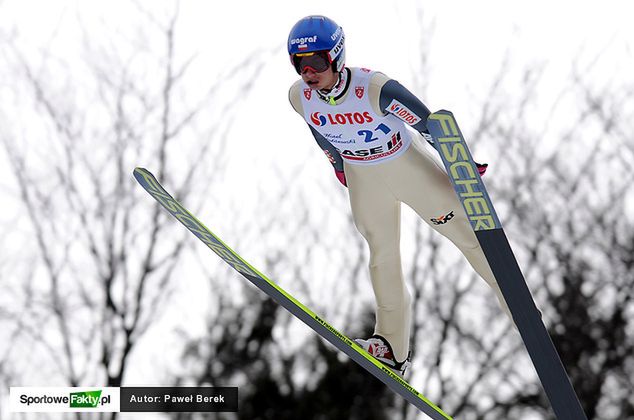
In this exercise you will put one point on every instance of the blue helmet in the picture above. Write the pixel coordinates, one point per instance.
(318, 33)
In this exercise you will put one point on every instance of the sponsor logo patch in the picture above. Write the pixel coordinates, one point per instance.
(336, 49)
(443, 219)
(308, 93)
(378, 152)
(340, 119)
(304, 40)
(336, 34)
(359, 90)
(402, 112)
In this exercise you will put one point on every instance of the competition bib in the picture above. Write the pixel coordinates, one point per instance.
(359, 134)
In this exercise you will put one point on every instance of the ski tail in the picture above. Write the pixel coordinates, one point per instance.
(317, 324)
(472, 193)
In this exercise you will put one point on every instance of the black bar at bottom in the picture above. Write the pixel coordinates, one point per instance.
(179, 399)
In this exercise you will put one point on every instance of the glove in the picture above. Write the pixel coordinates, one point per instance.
(341, 176)
(482, 168)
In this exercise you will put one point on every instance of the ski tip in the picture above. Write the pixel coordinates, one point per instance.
(140, 173)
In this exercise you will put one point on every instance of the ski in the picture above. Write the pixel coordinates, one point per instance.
(317, 324)
(453, 150)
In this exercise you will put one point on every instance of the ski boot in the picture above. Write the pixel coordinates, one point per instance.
(381, 349)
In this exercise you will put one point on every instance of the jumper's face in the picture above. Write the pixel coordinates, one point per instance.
(320, 81)
(315, 69)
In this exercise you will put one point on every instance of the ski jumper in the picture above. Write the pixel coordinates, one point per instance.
(363, 131)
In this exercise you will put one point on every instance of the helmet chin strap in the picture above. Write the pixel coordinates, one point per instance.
(337, 89)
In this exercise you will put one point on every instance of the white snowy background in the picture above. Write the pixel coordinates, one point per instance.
(264, 186)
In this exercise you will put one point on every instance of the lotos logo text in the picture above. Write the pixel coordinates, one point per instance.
(341, 119)
(402, 112)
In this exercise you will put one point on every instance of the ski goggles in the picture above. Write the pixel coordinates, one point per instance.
(317, 61)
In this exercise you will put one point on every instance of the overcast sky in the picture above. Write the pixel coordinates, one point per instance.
(467, 45)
